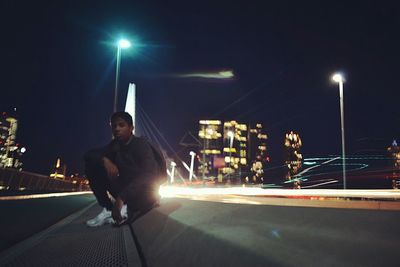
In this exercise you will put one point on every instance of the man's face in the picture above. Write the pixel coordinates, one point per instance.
(121, 130)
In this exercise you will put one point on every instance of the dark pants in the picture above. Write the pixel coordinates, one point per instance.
(136, 196)
(98, 179)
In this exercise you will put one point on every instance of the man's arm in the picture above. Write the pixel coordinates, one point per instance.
(144, 171)
(102, 156)
(111, 168)
(96, 155)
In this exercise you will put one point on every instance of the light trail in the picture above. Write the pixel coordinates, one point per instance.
(313, 167)
(187, 192)
(33, 196)
(351, 158)
(325, 183)
(303, 178)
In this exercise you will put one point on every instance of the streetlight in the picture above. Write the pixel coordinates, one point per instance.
(230, 135)
(173, 165)
(192, 154)
(338, 78)
(123, 43)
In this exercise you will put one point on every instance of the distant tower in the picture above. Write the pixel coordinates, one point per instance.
(257, 153)
(130, 105)
(10, 152)
(294, 157)
(394, 151)
(59, 171)
(394, 154)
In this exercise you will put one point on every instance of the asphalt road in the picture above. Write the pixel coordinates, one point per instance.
(200, 233)
(22, 218)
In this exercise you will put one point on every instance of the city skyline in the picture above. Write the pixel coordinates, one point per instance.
(59, 71)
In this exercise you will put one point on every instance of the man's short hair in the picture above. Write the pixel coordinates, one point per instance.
(122, 115)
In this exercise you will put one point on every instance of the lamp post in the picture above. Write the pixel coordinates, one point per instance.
(121, 45)
(173, 165)
(192, 154)
(230, 135)
(338, 78)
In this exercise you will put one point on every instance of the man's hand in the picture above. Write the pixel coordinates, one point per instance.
(116, 211)
(111, 168)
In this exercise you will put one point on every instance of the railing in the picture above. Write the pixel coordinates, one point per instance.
(14, 180)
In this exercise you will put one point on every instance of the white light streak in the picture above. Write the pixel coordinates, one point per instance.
(23, 197)
(189, 192)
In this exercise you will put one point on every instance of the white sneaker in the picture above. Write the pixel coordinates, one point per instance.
(104, 217)
(124, 211)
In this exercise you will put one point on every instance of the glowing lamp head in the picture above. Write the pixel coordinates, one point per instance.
(192, 154)
(338, 78)
(123, 43)
(230, 134)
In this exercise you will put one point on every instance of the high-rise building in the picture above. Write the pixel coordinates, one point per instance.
(235, 150)
(394, 155)
(10, 152)
(211, 137)
(229, 152)
(294, 157)
(257, 152)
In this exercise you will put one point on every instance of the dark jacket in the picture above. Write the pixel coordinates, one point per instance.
(136, 164)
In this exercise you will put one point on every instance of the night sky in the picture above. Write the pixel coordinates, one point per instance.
(58, 70)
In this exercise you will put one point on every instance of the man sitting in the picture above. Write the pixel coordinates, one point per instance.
(126, 169)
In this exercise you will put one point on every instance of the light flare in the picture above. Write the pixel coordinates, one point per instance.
(190, 192)
(24, 197)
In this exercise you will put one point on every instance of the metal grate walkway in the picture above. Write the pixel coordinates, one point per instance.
(71, 243)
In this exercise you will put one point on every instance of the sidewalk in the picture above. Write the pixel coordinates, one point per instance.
(71, 243)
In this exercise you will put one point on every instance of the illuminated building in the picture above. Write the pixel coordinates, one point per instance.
(257, 154)
(78, 179)
(394, 154)
(231, 151)
(394, 151)
(235, 150)
(210, 151)
(294, 157)
(59, 170)
(10, 152)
